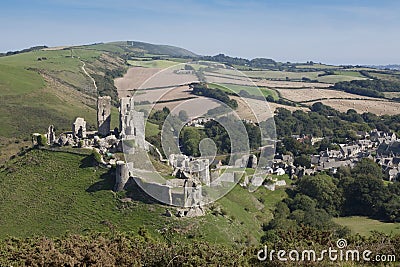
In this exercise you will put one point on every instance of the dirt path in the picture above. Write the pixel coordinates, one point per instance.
(87, 74)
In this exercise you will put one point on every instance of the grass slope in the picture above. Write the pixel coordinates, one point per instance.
(30, 102)
(141, 47)
(252, 90)
(51, 193)
(159, 64)
(365, 226)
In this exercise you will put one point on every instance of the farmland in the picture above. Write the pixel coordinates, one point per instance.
(133, 79)
(278, 84)
(338, 78)
(252, 90)
(259, 110)
(379, 107)
(158, 64)
(304, 95)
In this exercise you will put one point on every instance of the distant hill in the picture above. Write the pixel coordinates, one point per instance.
(141, 49)
(162, 49)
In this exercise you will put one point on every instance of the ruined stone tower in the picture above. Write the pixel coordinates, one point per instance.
(51, 135)
(103, 115)
(132, 123)
(122, 175)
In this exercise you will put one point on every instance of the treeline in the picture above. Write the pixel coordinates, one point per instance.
(324, 121)
(315, 200)
(262, 63)
(202, 90)
(228, 129)
(372, 88)
(33, 48)
(105, 84)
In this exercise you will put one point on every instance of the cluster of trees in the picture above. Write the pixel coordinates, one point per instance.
(189, 140)
(264, 63)
(190, 137)
(352, 192)
(372, 88)
(203, 90)
(364, 193)
(105, 84)
(324, 121)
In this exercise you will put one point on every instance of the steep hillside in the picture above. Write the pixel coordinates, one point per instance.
(51, 193)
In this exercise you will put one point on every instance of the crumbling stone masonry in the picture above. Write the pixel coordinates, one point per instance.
(51, 135)
(122, 175)
(190, 168)
(79, 128)
(104, 115)
(132, 123)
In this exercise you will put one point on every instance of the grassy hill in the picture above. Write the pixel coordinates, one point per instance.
(52, 193)
(52, 86)
(141, 48)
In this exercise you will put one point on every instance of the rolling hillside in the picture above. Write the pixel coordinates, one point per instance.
(55, 85)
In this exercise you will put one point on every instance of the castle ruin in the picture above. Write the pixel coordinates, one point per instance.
(79, 128)
(131, 123)
(104, 115)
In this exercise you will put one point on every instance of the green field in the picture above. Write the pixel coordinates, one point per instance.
(364, 226)
(159, 64)
(29, 105)
(316, 66)
(338, 78)
(252, 90)
(17, 80)
(151, 129)
(349, 73)
(282, 75)
(394, 77)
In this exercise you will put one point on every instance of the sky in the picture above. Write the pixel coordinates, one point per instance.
(328, 31)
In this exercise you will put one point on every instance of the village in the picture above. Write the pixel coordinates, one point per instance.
(375, 145)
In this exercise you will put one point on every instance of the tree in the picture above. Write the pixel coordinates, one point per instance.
(323, 190)
(367, 167)
(190, 141)
(364, 195)
(303, 160)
